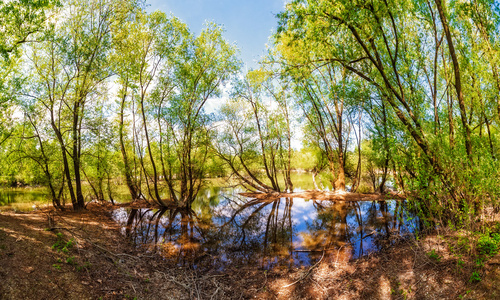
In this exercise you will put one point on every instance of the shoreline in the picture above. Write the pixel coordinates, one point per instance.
(103, 263)
(325, 196)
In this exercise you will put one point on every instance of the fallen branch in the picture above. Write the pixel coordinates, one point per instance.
(314, 250)
(307, 274)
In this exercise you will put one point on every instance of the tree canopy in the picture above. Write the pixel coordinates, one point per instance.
(380, 94)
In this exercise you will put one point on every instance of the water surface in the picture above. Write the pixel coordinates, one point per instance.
(224, 229)
(23, 198)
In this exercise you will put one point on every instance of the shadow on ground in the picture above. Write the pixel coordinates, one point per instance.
(99, 262)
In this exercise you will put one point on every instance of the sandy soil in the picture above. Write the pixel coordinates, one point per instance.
(102, 264)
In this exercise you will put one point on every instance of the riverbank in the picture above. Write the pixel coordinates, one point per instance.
(66, 255)
(327, 195)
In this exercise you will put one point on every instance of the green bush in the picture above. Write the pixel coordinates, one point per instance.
(464, 244)
(62, 245)
(364, 189)
(488, 245)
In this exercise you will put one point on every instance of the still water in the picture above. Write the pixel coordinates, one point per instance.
(23, 199)
(224, 229)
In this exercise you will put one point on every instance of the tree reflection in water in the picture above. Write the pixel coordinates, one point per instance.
(292, 232)
(356, 228)
(172, 233)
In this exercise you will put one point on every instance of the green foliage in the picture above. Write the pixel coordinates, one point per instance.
(364, 189)
(20, 19)
(255, 136)
(71, 260)
(466, 293)
(479, 263)
(465, 243)
(61, 245)
(309, 157)
(401, 291)
(375, 79)
(475, 277)
(434, 255)
(442, 154)
(488, 244)
(166, 79)
(86, 265)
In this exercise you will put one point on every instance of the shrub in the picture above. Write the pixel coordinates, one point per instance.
(488, 245)
(433, 255)
(475, 277)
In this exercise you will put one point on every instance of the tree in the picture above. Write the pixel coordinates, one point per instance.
(168, 75)
(70, 70)
(255, 132)
(412, 54)
(145, 46)
(326, 97)
(200, 70)
(20, 21)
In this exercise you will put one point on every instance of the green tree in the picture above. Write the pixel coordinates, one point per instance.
(200, 70)
(145, 49)
(413, 54)
(166, 76)
(255, 132)
(70, 69)
(20, 21)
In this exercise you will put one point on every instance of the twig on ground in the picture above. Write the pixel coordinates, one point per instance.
(172, 278)
(265, 282)
(132, 285)
(216, 291)
(97, 246)
(307, 274)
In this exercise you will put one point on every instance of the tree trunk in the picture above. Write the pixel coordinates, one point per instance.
(340, 183)
(314, 174)
(76, 158)
(128, 174)
(148, 145)
(458, 83)
(65, 162)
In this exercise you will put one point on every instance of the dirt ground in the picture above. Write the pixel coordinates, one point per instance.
(85, 256)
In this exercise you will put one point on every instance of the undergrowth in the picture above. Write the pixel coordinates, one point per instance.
(64, 247)
(479, 247)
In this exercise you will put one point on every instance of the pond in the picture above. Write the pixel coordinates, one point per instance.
(224, 229)
(30, 198)
(23, 199)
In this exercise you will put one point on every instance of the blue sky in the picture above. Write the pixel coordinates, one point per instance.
(248, 23)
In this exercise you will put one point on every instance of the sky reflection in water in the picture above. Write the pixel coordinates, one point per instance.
(225, 229)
